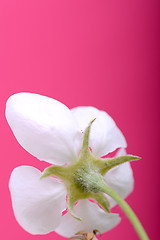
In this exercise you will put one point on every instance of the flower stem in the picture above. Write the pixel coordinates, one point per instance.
(129, 212)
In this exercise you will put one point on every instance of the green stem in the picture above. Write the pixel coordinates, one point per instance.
(129, 212)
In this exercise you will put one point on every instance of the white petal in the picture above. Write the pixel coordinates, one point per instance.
(37, 204)
(93, 217)
(120, 179)
(105, 136)
(44, 127)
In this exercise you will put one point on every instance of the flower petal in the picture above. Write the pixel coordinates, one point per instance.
(120, 179)
(37, 204)
(93, 217)
(44, 127)
(105, 136)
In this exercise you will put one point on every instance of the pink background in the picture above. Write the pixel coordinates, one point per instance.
(100, 53)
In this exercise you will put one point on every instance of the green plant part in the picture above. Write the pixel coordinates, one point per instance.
(84, 178)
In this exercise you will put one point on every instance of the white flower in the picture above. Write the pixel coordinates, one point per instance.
(51, 132)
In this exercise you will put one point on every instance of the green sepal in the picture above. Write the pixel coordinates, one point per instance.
(85, 148)
(58, 171)
(71, 201)
(102, 200)
(113, 162)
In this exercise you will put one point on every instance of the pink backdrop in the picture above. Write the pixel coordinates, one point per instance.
(101, 53)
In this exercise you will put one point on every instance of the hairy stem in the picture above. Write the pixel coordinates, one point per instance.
(129, 212)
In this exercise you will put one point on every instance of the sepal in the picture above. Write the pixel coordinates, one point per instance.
(109, 163)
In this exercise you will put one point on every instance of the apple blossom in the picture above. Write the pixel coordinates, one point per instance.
(73, 142)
